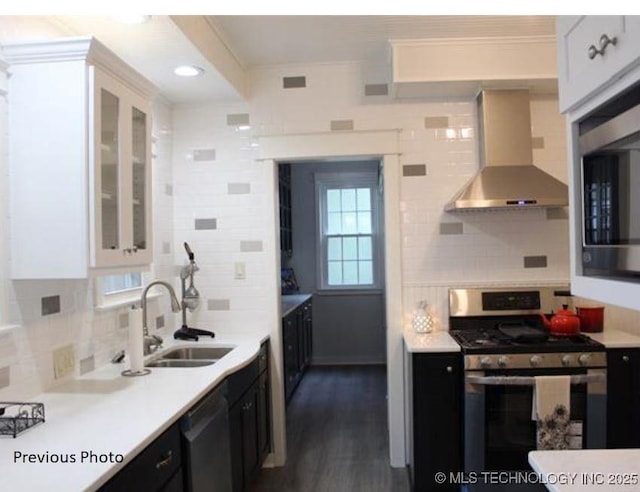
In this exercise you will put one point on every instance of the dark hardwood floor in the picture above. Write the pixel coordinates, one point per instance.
(337, 437)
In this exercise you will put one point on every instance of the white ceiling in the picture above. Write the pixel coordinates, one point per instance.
(156, 47)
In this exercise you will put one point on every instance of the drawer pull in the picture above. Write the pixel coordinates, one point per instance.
(625, 358)
(165, 461)
(605, 41)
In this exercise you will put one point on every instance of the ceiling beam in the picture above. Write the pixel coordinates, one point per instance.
(204, 37)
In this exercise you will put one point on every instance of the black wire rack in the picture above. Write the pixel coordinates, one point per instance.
(16, 417)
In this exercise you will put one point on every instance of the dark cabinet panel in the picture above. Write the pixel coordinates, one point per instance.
(297, 337)
(436, 419)
(250, 422)
(623, 398)
(284, 190)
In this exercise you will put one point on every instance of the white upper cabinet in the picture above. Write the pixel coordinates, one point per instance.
(80, 160)
(593, 51)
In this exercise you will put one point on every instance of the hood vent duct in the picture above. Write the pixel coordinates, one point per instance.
(507, 176)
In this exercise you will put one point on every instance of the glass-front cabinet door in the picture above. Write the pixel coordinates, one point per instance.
(121, 175)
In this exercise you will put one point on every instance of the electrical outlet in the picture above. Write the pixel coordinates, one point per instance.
(240, 270)
(64, 361)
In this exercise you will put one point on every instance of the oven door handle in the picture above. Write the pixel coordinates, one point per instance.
(529, 380)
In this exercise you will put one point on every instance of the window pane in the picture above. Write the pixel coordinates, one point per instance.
(364, 199)
(335, 273)
(348, 200)
(364, 248)
(117, 283)
(365, 270)
(334, 248)
(350, 248)
(349, 225)
(350, 269)
(364, 222)
(334, 223)
(333, 200)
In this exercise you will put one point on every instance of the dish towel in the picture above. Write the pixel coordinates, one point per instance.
(551, 411)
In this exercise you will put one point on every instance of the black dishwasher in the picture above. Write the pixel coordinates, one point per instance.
(205, 437)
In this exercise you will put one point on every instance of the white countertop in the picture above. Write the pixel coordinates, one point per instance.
(103, 412)
(436, 341)
(290, 302)
(598, 470)
(612, 338)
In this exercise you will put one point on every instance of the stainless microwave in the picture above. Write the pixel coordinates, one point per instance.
(610, 164)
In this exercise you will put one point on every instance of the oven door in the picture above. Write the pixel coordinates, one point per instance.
(499, 431)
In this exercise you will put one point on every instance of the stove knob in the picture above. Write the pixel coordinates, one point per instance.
(566, 360)
(485, 362)
(535, 360)
(584, 359)
(503, 361)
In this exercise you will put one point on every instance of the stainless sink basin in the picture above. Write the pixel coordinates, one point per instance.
(189, 357)
(179, 363)
(197, 353)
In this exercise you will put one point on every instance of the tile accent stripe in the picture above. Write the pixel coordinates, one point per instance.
(206, 224)
(123, 320)
(433, 122)
(202, 155)
(238, 119)
(557, 214)
(341, 125)
(294, 82)
(537, 142)
(414, 170)
(451, 228)
(535, 261)
(159, 322)
(50, 305)
(87, 364)
(250, 246)
(376, 90)
(218, 304)
(238, 188)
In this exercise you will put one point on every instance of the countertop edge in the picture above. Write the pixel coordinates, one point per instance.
(436, 341)
(615, 338)
(291, 302)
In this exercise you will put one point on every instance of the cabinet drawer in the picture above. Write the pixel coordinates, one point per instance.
(153, 467)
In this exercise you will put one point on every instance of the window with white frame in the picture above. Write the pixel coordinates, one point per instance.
(348, 224)
(115, 290)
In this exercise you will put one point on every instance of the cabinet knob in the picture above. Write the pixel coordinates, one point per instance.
(625, 358)
(165, 461)
(449, 369)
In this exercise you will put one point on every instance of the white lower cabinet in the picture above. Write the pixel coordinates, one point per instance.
(80, 161)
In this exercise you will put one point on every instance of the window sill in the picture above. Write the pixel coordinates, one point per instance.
(349, 292)
(8, 328)
(134, 298)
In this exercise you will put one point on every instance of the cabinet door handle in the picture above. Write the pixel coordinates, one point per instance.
(165, 461)
(605, 41)
(625, 358)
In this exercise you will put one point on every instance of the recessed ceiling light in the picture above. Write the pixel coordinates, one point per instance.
(131, 19)
(188, 71)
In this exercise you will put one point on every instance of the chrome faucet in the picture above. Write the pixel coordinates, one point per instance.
(151, 343)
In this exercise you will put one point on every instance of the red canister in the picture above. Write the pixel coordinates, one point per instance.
(591, 319)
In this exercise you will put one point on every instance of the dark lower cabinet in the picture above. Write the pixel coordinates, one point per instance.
(436, 419)
(297, 337)
(157, 468)
(249, 420)
(623, 398)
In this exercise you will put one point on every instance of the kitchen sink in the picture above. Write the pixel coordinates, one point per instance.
(197, 353)
(189, 357)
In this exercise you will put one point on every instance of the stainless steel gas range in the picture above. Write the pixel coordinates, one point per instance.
(505, 345)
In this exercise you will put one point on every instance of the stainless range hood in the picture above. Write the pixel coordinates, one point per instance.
(507, 177)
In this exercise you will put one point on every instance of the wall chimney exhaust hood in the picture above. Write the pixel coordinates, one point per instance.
(507, 178)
